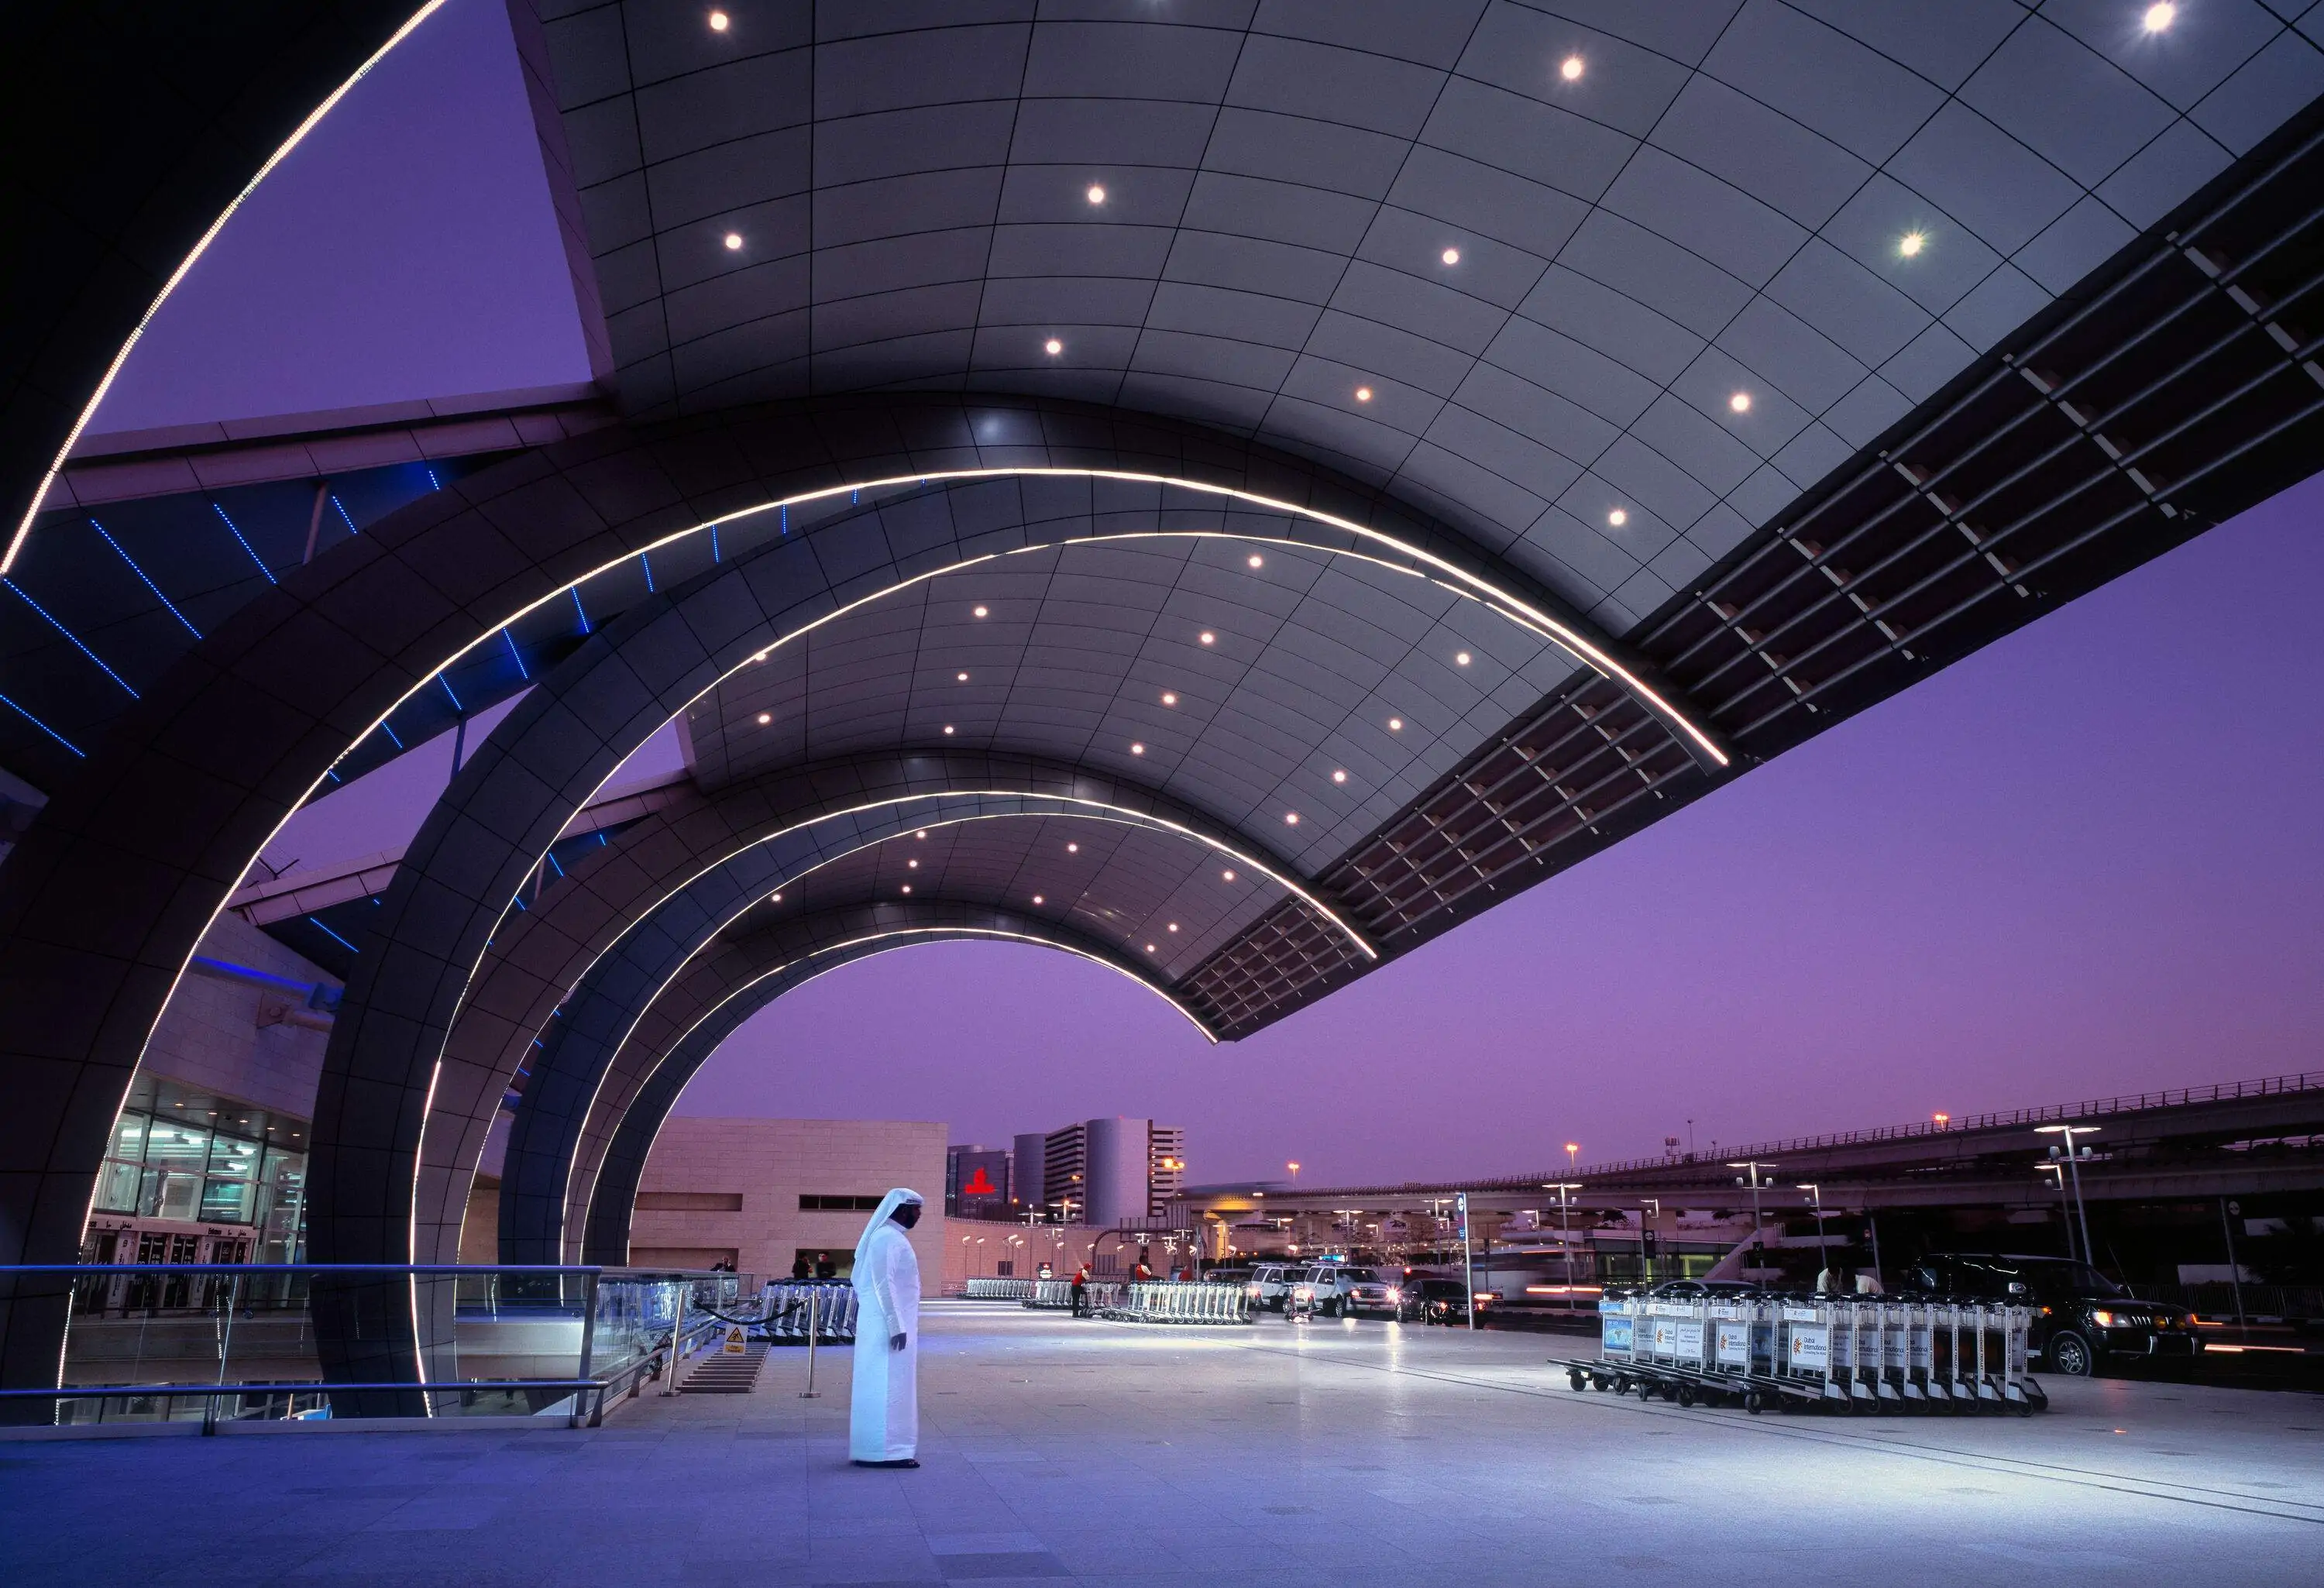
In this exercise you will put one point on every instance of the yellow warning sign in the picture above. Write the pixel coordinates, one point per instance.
(734, 1346)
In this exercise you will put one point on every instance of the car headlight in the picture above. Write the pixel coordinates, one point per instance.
(2102, 1318)
(1304, 1292)
(1392, 1294)
(1251, 1290)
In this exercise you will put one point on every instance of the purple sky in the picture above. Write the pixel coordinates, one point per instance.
(2087, 860)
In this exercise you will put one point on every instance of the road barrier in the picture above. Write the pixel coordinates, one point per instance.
(1848, 1353)
(828, 1306)
(1180, 1302)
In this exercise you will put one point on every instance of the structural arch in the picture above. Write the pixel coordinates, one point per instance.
(720, 992)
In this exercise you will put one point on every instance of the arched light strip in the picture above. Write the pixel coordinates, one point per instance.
(96, 398)
(1119, 814)
(1517, 611)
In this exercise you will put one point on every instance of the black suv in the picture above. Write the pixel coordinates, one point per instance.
(2081, 1318)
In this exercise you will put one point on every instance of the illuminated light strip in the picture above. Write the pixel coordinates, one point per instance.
(455, 699)
(246, 544)
(68, 635)
(96, 398)
(44, 727)
(1583, 649)
(1121, 814)
(348, 517)
(516, 656)
(140, 573)
(334, 937)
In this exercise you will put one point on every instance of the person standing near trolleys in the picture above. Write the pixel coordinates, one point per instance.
(883, 1427)
(1081, 1291)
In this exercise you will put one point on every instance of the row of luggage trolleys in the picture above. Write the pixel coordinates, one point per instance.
(1180, 1301)
(1843, 1353)
(790, 1308)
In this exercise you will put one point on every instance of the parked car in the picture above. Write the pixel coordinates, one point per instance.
(1444, 1301)
(1315, 1289)
(2082, 1320)
(1270, 1285)
(1368, 1293)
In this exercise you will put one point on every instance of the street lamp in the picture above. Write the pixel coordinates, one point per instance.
(1650, 1209)
(1293, 1167)
(1565, 1189)
(1572, 1148)
(1822, 1256)
(1759, 1228)
(2073, 1168)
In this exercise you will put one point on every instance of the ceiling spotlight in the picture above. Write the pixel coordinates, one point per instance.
(923, 833)
(760, 657)
(1740, 403)
(911, 865)
(1037, 899)
(1168, 698)
(733, 240)
(1073, 849)
(947, 730)
(777, 898)
(1570, 68)
(1209, 638)
(1137, 749)
(1053, 347)
(1340, 777)
(1451, 256)
(1226, 876)
(2158, 17)
(1096, 194)
(1363, 393)
(908, 887)
(980, 611)
(765, 717)
(1461, 659)
(1291, 819)
(1173, 925)
(1618, 517)
(961, 678)
(718, 22)
(1911, 243)
(1396, 724)
(1150, 948)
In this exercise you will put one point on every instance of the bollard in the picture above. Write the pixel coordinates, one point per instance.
(814, 1318)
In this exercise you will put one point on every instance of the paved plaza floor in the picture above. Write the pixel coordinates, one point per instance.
(1332, 1455)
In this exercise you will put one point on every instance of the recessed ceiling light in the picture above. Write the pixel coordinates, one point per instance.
(911, 865)
(1570, 68)
(1053, 347)
(1618, 517)
(1096, 194)
(908, 887)
(1396, 724)
(1073, 849)
(765, 717)
(1740, 403)
(1291, 819)
(1451, 256)
(1911, 243)
(947, 730)
(1209, 638)
(2158, 17)
(1340, 777)
(1038, 900)
(1363, 393)
(1256, 560)
(760, 657)
(1137, 749)
(923, 833)
(1168, 698)
(962, 677)
(1150, 948)
(733, 240)
(980, 611)
(777, 898)
(1461, 659)
(1226, 876)
(1173, 925)
(718, 22)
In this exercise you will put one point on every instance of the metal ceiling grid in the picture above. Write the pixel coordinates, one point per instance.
(1711, 204)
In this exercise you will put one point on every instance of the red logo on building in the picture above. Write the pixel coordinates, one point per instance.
(980, 1185)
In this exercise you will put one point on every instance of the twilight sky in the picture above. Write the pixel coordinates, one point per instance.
(2087, 860)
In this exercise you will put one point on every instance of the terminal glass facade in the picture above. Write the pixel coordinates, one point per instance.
(182, 1156)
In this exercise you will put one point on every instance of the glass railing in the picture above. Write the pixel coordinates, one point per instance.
(223, 1343)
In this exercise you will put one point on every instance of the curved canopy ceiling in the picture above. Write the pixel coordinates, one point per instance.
(1519, 262)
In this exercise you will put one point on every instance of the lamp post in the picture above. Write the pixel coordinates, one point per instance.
(1822, 1256)
(1565, 1189)
(1759, 1228)
(1573, 1148)
(2073, 1169)
(2059, 1170)
(1650, 1213)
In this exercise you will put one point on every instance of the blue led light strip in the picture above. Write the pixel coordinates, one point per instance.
(344, 514)
(516, 656)
(433, 483)
(334, 937)
(455, 699)
(246, 544)
(68, 635)
(44, 727)
(389, 729)
(140, 573)
(578, 608)
(646, 563)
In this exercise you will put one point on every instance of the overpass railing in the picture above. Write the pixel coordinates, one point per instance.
(217, 1342)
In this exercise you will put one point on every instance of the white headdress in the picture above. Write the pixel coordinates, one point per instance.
(888, 1205)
